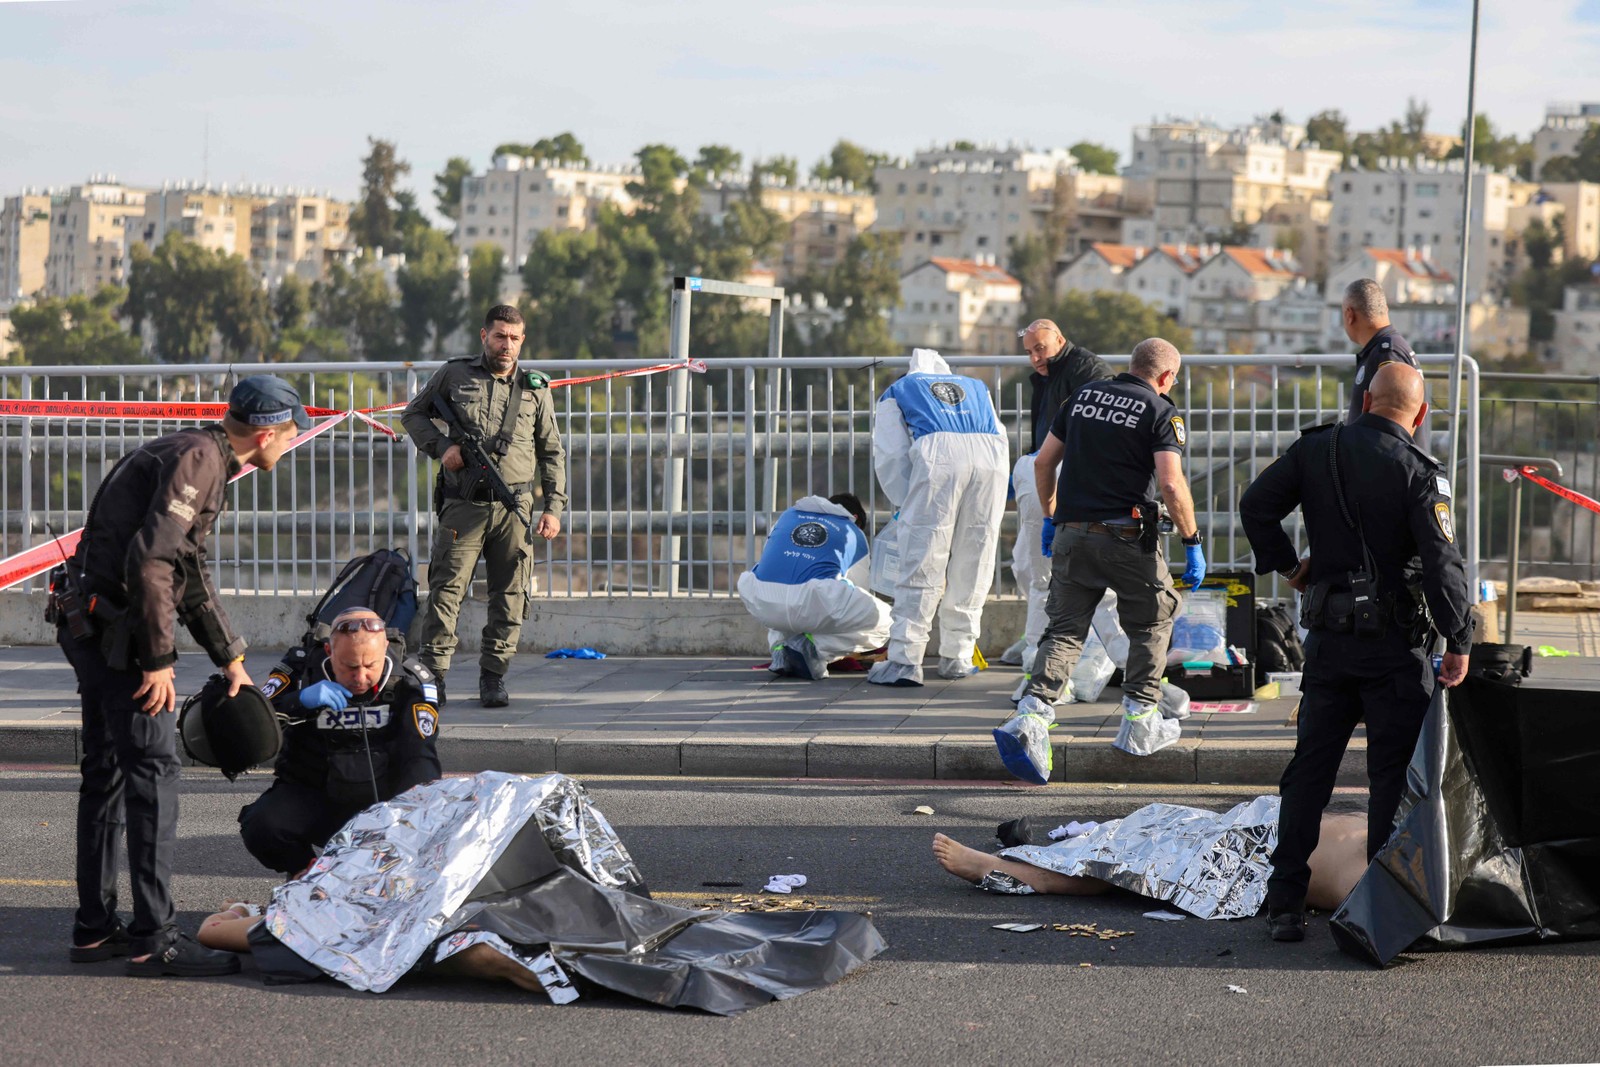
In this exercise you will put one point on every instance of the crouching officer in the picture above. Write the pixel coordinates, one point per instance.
(1376, 509)
(362, 728)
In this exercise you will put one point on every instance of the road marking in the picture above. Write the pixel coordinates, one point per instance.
(724, 892)
(47, 883)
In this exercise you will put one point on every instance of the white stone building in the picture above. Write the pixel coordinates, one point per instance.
(1161, 279)
(87, 235)
(1102, 268)
(517, 198)
(1224, 294)
(1564, 126)
(1576, 345)
(958, 306)
(24, 245)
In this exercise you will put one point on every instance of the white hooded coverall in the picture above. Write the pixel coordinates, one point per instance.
(942, 461)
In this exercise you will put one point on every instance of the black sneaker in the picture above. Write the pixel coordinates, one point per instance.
(183, 957)
(114, 944)
(1014, 833)
(492, 690)
(1287, 926)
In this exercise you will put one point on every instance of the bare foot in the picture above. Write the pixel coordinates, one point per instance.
(961, 861)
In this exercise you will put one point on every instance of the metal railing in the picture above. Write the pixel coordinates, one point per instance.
(671, 494)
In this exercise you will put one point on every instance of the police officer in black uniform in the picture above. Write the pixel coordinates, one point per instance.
(1124, 441)
(140, 564)
(362, 729)
(1365, 654)
(1366, 322)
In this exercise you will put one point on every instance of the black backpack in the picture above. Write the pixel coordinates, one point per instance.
(380, 580)
(1278, 646)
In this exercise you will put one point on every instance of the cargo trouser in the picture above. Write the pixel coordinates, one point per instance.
(1083, 566)
(466, 530)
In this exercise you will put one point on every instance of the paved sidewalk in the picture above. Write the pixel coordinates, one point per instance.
(730, 716)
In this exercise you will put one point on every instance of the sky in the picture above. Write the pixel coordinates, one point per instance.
(290, 90)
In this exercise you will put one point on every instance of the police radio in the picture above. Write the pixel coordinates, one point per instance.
(64, 602)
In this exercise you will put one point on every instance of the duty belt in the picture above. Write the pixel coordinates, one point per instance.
(480, 494)
(1121, 531)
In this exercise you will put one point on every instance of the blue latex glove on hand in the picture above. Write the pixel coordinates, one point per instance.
(325, 694)
(1197, 566)
(1047, 536)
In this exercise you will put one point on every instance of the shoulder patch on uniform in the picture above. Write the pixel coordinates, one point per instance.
(536, 379)
(1361, 374)
(180, 509)
(274, 684)
(1443, 485)
(1441, 515)
(1306, 431)
(427, 719)
(1178, 430)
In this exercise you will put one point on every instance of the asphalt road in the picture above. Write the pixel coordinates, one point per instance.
(949, 988)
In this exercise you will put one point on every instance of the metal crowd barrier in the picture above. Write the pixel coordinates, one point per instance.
(752, 436)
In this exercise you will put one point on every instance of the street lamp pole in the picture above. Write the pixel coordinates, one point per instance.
(1466, 245)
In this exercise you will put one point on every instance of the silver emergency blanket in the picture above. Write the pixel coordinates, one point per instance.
(533, 861)
(1212, 866)
(394, 879)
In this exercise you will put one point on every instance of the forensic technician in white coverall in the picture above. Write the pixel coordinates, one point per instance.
(942, 461)
(809, 589)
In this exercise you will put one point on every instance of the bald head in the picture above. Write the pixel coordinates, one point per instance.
(358, 654)
(1156, 361)
(1043, 341)
(1397, 393)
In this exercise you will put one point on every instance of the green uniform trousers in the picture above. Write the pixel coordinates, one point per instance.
(466, 530)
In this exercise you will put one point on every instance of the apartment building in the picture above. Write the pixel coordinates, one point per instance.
(1162, 278)
(820, 218)
(1226, 292)
(1564, 126)
(1101, 268)
(214, 219)
(1576, 345)
(1208, 180)
(87, 234)
(297, 233)
(24, 245)
(1417, 204)
(959, 306)
(1580, 210)
(1301, 226)
(517, 198)
(958, 204)
(1420, 291)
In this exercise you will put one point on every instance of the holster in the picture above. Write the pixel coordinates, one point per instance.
(1149, 526)
(116, 633)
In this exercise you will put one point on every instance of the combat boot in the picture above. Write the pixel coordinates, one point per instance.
(492, 690)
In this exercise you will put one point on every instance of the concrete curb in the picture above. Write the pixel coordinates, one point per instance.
(931, 756)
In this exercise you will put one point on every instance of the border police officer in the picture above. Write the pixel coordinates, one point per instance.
(142, 561)
(1373, 504)
(514, 415)
(362, 729)
(1124, 440)
(1365, 312)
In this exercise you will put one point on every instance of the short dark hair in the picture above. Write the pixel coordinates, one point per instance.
(851, 503)
(502, 313)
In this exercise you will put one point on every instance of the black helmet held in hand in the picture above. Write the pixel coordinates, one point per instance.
(233, 733)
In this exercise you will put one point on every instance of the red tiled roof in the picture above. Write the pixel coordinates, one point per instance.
(1257, 261)
(1123, 256)
(1416, 266)
(987, 271)
(1187, 257)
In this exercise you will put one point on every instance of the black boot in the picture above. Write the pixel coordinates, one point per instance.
(183, 957)
(492, 690)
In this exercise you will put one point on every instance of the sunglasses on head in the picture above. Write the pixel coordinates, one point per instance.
(351, 626)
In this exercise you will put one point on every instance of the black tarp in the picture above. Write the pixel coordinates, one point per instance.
(1498, 841)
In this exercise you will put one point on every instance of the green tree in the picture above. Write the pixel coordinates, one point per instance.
(1330, 130)
(573, 278)
(963, 146)
(784, 169)
(1415, 123)
(716, 159)
(852, 163)
(430, 291)
(1095, 158)
(374, 221)
(356, 302)
(486, 273)
(866, 284)
(190, 295)
(1540, 242)
(1489, 148)
(447, 186)
(1115, 322)
(1033, 263)
(241, 308)
(562, 148)
(291, 304)
(74, 331)
(1582, 166)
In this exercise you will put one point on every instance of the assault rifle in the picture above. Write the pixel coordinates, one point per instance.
(479, 462)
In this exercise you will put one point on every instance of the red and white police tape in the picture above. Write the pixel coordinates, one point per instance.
(1533, 475)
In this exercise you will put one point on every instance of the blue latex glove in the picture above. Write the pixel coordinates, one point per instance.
(575, 653)
(1047, 535)
(325, 694)
(1197, 566)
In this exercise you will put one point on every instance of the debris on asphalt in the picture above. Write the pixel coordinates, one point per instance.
(745, 904)
(1019, 928)
(1089, 930)
(575, 653)
(1014, 833)
(784, 883)
(723, 885)
(1237, 989)
(1226, 952)
(1166, 916)
(922, 809)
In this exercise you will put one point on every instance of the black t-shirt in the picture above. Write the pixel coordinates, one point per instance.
(1112, 431)
(1386, 346)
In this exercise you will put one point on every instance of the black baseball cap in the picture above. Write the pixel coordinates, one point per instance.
(266, 400)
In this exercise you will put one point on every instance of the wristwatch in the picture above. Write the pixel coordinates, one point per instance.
(1290, 574)
(1190, 542)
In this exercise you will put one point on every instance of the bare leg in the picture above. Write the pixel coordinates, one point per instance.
(1338, 861)
(972, 865)
(226, 930)
(482, 961)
